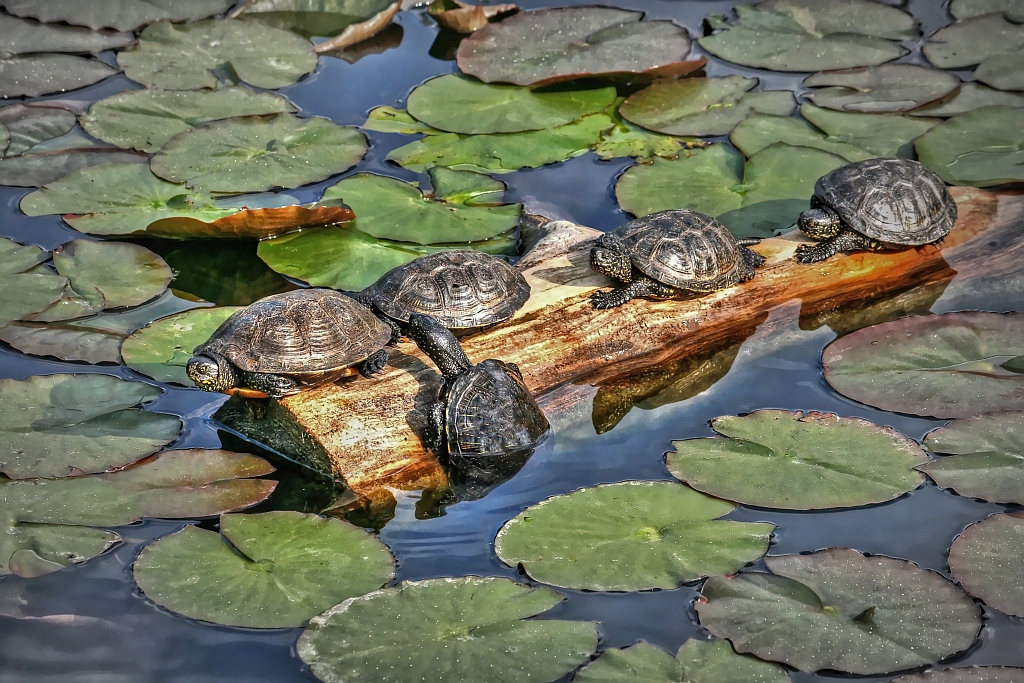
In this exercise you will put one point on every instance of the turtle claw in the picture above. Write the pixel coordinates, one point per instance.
(602, 300)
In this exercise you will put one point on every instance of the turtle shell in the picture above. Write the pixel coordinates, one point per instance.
(460, 288)
(490, 411)
(306, 331)
(898, 201)
(681, 248)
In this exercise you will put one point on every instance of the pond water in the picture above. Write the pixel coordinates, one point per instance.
(92, 623)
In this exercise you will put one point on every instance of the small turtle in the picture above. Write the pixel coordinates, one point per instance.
(482, 409)
(876, 204)
(284, 343)
(668, 254)
(461, 288)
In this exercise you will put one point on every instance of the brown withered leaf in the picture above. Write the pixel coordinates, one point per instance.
(465, 18)
(361, 31)
(254, 223)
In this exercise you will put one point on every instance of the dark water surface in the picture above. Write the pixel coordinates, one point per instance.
(91, 623)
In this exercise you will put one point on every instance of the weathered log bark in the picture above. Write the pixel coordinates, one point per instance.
(368, 431)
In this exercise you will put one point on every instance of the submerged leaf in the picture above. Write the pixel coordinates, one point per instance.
(881, 89)
(40, 74)
(27, 286)
(984, 559)
(124, 15)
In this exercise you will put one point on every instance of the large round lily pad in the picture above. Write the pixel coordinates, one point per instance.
(782, 459)
(838, 609)
(162, 348)
(28, 286)
(985, 457)
(465, 629)
(463, 105)
(636, 535)
(39, 74)
(702, 106)
(698, 661)
(945, 365)
(124, 15)
(146, 119)
(985, 560)
(971, 41)
(881, 135)
(62, 425)
(546, 46)
(200, 55)
(979, 148)
(881, 89)
(253, 154)
(271, 570)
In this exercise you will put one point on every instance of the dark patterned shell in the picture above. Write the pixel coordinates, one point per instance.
(680, 248)
(460, 288)
(491, 411)
(898, 201)
(301, 332)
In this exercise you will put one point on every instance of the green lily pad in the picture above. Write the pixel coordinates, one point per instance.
(541, 47)
(200, 55)
(271, 570)
(29, 125)
(984, 559)
(702, 106)
(881, 135)
(391, 120)
(503, 152)
(28, 286)
(791, 461)
(1003, 71)
(811, 35)
(972, 41)
(21, 36)
(36, 169)
(761, 130)
(396, 210)
(963, 9)
(162, 348)
(626, 140)
(465, 187)
(33, 550)
(65, 343)
(467, 629)
(124, 15)
(40, 74)
(311, 17)
(146, 119)
(838, 609)
(640, 662)
(254, 154)
(936, 365)
(986, 457)
(63, 425)
(880, 89)
(462, 105)
(632, 536)
(966, 674)
(697, 661)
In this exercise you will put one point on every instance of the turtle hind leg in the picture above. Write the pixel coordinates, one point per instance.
(275, 386)
(374, 365)
(847, 240)
(642, 286)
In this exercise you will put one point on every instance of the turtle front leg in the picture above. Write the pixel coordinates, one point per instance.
(847, 240)
(374, 365)
(751, 260)
(642, 286)
(275, 386)
(433, 434)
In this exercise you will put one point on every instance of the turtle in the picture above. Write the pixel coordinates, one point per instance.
(464, 289)
(876, 204)
(670, 254)
(287, 342)
(481, 410)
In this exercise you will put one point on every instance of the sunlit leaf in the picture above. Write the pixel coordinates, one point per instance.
(391, 120)
(838, 609)
(27, 286)
(311, 17)
(39, 74)
(761, 130)
(983, 559)
(28, 125)
(881, 135)
(880, 89)
(124, 15)
(254, 223)
(626, 140)
(973, 40)
(468, 629)
(937, 365)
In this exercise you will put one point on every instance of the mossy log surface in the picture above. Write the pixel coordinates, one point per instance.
(370, 430)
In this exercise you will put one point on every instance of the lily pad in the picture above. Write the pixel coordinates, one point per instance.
(465, 187)
(146, 119)
(271, 570)
(467, 629)
(36, 169)
(702, 106)
(626, 140)
(124, 15)
(881, 135)
(29, 125)
(936, 365)
(880, 89)
(546, 46)
(22, 36)
(986, 457)
(63, 425)
(462, 105)
(311, 17)
(971, 41)
(28, 286)
(254, 154)
(697, 661)
(838, 609)
(636, 535)
(984, 559)
(391, 120)
(396, 210)
(1003, 71)
(466, 18)
(162, 348)
(200, 55)
(33, 550)
(761, 130)
(966, 674)
(979, 148)
(503, 152)
(792, 461)
(640, 662)
(962, 9)
(811, 35)
(40, 74)
(65, 343)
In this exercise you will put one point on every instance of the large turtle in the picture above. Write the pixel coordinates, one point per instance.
(461, 288)
(876, 204)
(284, 343)
(669, 254)
(481, 410)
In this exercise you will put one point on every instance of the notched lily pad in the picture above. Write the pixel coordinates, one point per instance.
(979, 148)
(761, 130)
(881, 135)
(880, 89)
(123, 15)
(838, 609)
(33, 550)
(271, 570)
(28, 286)
(984, 559)
(985, 457)
(27, 125)
(698, 661)
(636, 535)
(162, 348)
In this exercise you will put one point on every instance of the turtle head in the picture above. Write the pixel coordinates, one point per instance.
(614, 264)
(211, 372)
(819, 224)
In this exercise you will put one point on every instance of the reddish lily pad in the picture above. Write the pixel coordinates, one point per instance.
(985, 457)
(985, 560)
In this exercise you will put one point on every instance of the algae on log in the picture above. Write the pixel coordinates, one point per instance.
(370, 430)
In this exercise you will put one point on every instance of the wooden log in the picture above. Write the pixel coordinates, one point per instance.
(367, 432)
